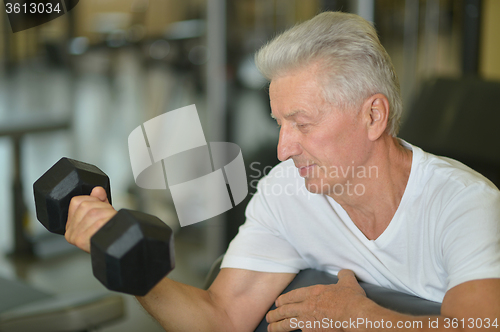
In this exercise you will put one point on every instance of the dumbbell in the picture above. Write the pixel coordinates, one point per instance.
(131, 253)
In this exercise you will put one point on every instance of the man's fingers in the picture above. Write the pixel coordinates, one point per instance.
(83, 238)
(293, 296)
(83, 229)
(76, 203)
(93, 217)
(86, 215)
(283, 325)
(83, 207)
(283, 312)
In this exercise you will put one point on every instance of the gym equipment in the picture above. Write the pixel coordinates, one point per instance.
(387, 298)
(24, 308)
(54, 190)
(131, 253)
(457, 118)
(17, 130)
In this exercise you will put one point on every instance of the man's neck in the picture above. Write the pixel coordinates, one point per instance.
(372, 211)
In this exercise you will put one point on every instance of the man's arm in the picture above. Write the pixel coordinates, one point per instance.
(469, 306)
(476, 302)
(236, 301)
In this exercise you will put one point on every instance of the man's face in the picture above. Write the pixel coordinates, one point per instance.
(324, 142)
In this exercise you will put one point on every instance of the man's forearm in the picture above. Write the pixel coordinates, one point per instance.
(180, 307)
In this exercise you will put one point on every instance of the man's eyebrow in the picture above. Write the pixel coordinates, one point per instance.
(289, 115)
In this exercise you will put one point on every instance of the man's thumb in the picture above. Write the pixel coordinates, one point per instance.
(100, 193)
(346, 274)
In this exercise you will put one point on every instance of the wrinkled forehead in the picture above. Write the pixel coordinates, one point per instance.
(296, 93)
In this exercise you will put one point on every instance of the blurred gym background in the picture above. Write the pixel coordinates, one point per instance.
(78, 85)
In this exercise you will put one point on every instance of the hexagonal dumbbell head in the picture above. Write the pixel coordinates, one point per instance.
(132, 252)
(54, 190)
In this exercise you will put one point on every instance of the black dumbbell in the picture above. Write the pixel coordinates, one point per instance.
(131, 253)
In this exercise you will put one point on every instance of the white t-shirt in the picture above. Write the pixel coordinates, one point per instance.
(444, 232)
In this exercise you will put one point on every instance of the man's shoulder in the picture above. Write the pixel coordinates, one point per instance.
(454, 171)
(448, 178)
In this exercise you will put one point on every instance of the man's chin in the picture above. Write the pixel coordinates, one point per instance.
(316, 186)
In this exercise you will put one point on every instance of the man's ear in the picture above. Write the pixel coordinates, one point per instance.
(376, 114)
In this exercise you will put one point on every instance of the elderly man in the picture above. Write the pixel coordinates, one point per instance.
(364, 204)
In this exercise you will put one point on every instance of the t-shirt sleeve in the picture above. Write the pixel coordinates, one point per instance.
(471, 237)
(260, 244)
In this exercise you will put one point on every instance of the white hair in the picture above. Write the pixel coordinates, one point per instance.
(355, 64)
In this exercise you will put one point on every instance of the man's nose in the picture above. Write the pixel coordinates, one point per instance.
(288, 145)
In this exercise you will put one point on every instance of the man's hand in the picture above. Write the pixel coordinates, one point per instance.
(86, 215)
(315, 303)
